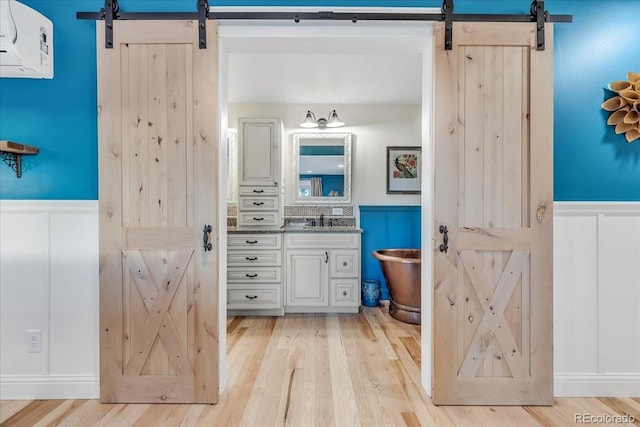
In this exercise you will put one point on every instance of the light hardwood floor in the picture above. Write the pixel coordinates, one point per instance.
(316, 370)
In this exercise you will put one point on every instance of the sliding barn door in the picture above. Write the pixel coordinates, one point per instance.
(157, 98)
(493, 193)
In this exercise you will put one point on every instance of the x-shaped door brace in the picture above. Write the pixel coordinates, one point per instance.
(157, 299)
(493, 322)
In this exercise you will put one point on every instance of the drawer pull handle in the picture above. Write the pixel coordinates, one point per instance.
(258, 219)
(258, 191)
(251, 258)
(326, 259)
(258, 203)
(251, 242)
(251, 276)
(251, 296)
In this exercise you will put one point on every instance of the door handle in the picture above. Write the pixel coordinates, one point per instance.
(206, 238)
(444, 246)
(326, 259)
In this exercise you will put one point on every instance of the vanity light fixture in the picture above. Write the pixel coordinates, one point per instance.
(311, 122)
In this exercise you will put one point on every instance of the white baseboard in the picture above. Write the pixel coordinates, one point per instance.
(596, 385)
(17, 387)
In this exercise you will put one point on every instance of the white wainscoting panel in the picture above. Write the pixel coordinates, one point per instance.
(597, 299)
(49, 282)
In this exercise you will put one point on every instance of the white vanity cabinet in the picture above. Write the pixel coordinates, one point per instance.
(254, 273)
(259, 172)
(307, 277)
(322, 272)
(259, 152)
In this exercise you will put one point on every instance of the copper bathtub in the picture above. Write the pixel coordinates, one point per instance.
(401, 269)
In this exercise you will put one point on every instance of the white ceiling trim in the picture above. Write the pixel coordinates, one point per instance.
(408, 33)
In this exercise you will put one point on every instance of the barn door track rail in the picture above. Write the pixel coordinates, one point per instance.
(537, 16)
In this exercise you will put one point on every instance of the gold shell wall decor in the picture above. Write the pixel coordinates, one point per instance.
(625, 106)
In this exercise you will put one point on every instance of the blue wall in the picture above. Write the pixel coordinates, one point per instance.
(386, 227)
(591, 162)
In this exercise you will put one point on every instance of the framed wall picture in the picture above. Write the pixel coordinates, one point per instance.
(404, 170)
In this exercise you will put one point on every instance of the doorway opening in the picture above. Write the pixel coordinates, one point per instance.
(352, 43)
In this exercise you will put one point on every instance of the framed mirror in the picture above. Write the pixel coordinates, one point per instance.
(322, 168)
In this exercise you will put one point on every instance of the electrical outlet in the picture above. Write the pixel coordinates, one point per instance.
(337, 211)
(34, 338)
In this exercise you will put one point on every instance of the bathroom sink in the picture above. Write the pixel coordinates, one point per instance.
(299, 225)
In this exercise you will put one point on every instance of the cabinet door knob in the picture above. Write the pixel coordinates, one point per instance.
(344, 263)
(344, 293)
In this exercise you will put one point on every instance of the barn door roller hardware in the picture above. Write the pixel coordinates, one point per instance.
(203, 14)
(111, 10)
(537, 16)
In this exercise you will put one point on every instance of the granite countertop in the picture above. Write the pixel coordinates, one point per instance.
(324, 229)
(308, 229)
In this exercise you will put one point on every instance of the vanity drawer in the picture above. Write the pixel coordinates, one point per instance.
(258, 191)
(253, 274)
(345, 292)
(345, 263)
(254, 297)
(251, 203)
(254, 241)
(254, 258)
(258, 218)
(322, 240)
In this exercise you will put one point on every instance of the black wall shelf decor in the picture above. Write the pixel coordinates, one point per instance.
(12, 152)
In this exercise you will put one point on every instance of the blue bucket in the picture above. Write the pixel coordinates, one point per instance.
(370, 293)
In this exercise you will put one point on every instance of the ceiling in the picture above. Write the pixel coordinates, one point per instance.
(325, 68)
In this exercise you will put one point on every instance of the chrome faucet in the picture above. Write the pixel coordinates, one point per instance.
(321, 220)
